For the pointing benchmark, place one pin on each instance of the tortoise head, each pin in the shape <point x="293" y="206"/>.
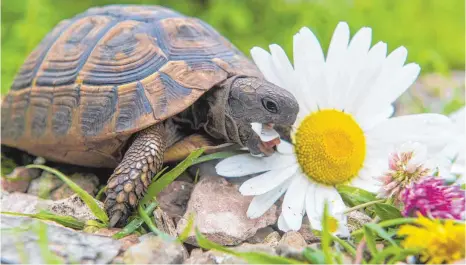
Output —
<point x="255" y="100"/>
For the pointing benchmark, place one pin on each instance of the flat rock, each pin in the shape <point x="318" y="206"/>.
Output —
<point x="25" y="203"/>
<point x="20" y="203"/>
<point x="220" y="213"/>
<point x="260" y="235"/>
<point x="21" y="237"/>
<point x="294" y="240"/>
<point x="72" y="206"/>
<point x="174" y="198"/>
<point x="19" y="179"/>
<point x="307" y="233"/>
<point x="126" y="242"/>
<point x="154" y="250"/>
<point x="272" y="239"/>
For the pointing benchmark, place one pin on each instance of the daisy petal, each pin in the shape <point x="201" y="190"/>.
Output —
<point x="260" y="204"/>
<point x="285" y="148"/>
<point x="283" y="67"/>
<point x="267" y="181"/>
<point x="282" y="225"/>
<point x="293" y="202"/>
<point x="245" y="164"/>
<point x="263" y="60"/>
<point x="433" y="130"/>
<point x="265" y="134"/>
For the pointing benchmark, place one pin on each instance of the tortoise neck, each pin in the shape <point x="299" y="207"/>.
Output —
<point x="211" y="113"/>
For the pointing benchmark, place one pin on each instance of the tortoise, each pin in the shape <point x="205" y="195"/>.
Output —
<point x="130" y="87"/>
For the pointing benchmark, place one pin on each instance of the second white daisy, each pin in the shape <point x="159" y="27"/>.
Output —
<point x="343" y="133"/>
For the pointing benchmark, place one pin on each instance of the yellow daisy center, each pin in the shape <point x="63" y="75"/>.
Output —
<point x="330" y="146"/>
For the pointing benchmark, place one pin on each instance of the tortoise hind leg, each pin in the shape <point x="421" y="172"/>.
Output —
<point x="130" y="180"/>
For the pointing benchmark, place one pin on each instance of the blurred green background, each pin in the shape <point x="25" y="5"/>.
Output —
<point x="432" y="30"/>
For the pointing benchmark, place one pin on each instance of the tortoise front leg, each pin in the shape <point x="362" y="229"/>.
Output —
<point x="130" y="180"/>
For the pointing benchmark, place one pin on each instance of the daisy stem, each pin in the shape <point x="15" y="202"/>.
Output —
<point x="359" y="206"/>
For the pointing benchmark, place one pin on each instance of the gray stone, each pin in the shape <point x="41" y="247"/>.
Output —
<point x="220" y="213"/>
<point x="356" y="220"/>
<point x="44" y="185"/>
<point x="19" y="179"/>
<point x="20" y="203"/>
<point x="164" y="222"/>
<point x="272" y="239"/>
<point x="25" y="203"/>
<point x="72" y="206"/>
<point x="174" y="198"/>
<point x="307" y="233"/>
<point x="154" y="250"/>
<point x="260" y="235"/>
<point x="21" y="237"/>
<point x="294" y="240"/>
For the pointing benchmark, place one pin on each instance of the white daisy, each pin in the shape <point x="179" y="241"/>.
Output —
<point x="343" y="133"/>
<point x="455" y="150"/>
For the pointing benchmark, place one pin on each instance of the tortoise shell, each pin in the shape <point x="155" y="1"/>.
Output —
<point x="109" y="72"/>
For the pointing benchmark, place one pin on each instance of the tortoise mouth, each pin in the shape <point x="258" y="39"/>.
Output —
<point x="268" y="137"/>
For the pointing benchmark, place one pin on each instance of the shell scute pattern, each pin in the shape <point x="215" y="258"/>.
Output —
<point x="110" y="72"/>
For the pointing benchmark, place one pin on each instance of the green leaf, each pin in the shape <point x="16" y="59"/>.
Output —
<point x="189" y="226"/>
<point x="100" y="193"/>
<point x="86" y="197"/>
<point x="134" y="224"/>
<point x="249" y="257"/>
<point x="353" y="196"/>
<point x="381" y="232"/>
<point x="387" y="211"/>
<point x="67" y="221"/>
<point x="399" y="254"/>
<point x="388" y="223"/>
<point x="326" y="239"/>
<point x="156" y="187"/>
<point x="370" y="240"/>
<point x="314" y="256"/>
<point x="218" y="155"/>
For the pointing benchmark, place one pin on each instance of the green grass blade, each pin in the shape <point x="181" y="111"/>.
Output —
<point x="86" y="197"/>
<point x="347" y="246"/>
<point x="189" y="226"/>
<point x="156" y="187"/>
<point x="100" y="193"/>
<point x="388" y="223"/>
<point x="67" y="221"/>
<point x="48" y="256"/>
<point x="134" y="224"/>
<point x="145" y="217"/>
<point x="326" y="238"/>
<point x="218" y="155"/>
<point x="381" y="232"/>
<point x="370" y="241"/>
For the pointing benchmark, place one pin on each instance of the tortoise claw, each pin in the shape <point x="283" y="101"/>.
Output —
<point x="116" y="217"/>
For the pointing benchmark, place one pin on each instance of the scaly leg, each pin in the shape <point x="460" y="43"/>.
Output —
<point x="130" y="180"/>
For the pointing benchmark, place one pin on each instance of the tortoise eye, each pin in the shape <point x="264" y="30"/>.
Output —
<point x="270" y="105"/>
